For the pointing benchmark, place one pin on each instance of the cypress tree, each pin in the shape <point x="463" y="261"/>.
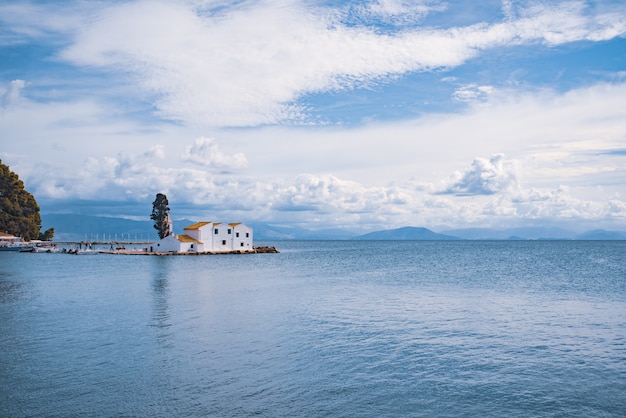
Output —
<point x="160" y="212"/>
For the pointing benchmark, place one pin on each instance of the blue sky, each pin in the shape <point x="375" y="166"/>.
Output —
<point x="359" y="115"/>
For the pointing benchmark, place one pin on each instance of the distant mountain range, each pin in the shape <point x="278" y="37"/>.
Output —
<point x="70" y="227"/>
<point x="413" y="233"/>
<point x="534" y="233"/>
<point x="405" y="233"/>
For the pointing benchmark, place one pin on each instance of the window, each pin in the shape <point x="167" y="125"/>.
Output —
<point x="241" y="245"/>
<point x="237" y="234"/>
<point x="229" y="231"/>
<point x="247" y="235"/>
<point x="216" y="231"/>
<point x="223" y="242"/>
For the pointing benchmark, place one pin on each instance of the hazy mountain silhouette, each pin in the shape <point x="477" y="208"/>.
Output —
<point x="405" y="233"/>
<point x="71" y="227"/>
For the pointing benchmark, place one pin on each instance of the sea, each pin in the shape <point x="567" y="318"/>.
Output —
<point x="321" y="329"/>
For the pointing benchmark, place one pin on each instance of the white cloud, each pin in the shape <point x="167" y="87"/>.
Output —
<point x="205" y="152"/>
<point x="569" y="22"/>
<point x="473" y="92"/>
<point x="122" y="177"/>
<point x="487" y="194"/>
<point x="329" y="194"/>
<point x="11" y="95"/>
<point x="507" y="9"/>
<point x="252" y="63"/>
<point x="372" y="177"/>
<point x="22" y="21"/>
<point x="485" y="177"/>
<point x="399" y="12"/>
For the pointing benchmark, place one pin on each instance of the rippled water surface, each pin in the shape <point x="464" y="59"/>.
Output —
<point x="341" y="328"/>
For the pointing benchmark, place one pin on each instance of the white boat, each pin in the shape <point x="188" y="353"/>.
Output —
<point x="85" y="252"/>
<point x="14" y="246"/>
<point x="10" y="242"/>
<point x="46" y="249"/>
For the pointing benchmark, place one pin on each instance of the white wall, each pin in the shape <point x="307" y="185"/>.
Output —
<point x="215" y="237"/>
<point x="222" y="240"/>
<point x="242" y="238"/>
<point x="169" y="243"/>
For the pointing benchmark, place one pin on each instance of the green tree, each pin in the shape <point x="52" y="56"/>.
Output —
<point x="19" y="212"/>
<point x="48" y="235"/>
<point x="160" y="215"/>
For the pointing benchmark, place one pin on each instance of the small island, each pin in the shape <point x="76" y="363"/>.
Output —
<point x="201" y="237"/>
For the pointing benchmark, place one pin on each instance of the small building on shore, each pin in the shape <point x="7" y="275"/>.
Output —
<point x="208" y="237"/>
<point x="6" y="239"/>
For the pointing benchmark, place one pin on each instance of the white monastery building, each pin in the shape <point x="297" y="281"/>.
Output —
<point x="208" y="237"/>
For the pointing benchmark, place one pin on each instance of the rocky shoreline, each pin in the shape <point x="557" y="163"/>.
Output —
<point x="265" y="250"/>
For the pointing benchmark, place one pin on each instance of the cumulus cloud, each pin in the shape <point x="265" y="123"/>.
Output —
<point x="472" y="92"/>
<point x="332" y="195"/>
<point x="249" y="64"/>
<point x="552" y="204"/>
<point x="206" y="152"/>
<point x="125" y="176"/>
<point x="487" y="194"/>
<point x="12" y="94"/>
<point x="485" y="177"/>
<point x="575" y="138"/>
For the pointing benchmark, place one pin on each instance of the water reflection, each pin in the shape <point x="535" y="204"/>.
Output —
<point x="160" y="292"/>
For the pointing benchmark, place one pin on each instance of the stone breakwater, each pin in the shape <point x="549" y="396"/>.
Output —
<point x="266" y="249"/>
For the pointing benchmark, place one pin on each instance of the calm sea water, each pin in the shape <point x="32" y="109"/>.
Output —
<point x="338" y="329"/>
